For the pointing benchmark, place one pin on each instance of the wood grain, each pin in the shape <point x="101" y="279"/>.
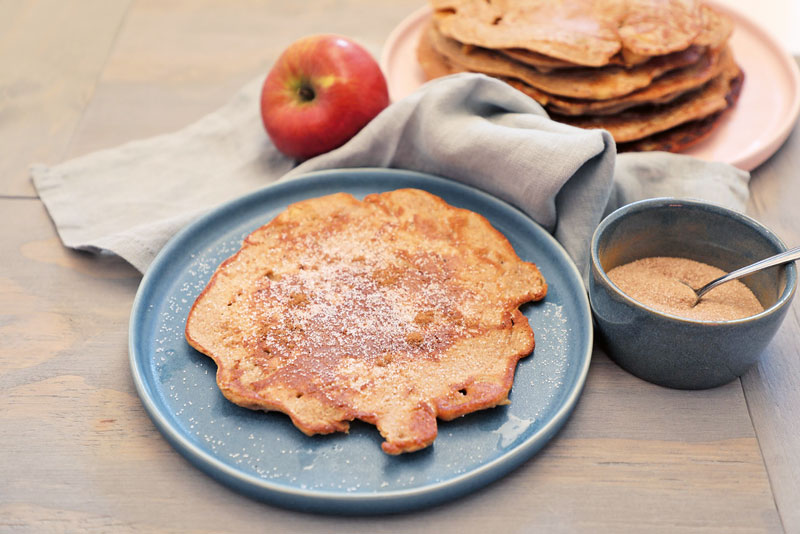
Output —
<point x="80" y="454"/>
<point x="173" y="62"/>
<point x="52" y="53"/>
<point x="771" y="389"/>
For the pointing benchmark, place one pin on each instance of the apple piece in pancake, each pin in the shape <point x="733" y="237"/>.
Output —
<point x="716" y="29"/>
<point x="654" y="27"/>
<point x="432" y="63"/>
<point x="579" y="38"/>
<point x="541" y="62"/>
<point x="674" y="139"/>
<point x="663" y="90"/>
<point x="394" y="310"/>
<point x="595" y="84"/>
<point x="547" y="64"/>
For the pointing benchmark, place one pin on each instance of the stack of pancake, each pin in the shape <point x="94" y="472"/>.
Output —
<point x="657" y="74"/>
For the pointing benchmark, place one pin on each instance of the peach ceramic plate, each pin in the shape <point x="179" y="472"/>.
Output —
<point x="767" y="110"/>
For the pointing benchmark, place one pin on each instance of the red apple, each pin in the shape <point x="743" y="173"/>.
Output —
<point x="322" y="90"/>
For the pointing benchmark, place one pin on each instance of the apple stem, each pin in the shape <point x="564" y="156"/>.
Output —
<point x="306" y="93"/>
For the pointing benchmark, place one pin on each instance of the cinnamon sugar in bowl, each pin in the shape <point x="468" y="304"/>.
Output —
<point x="642" y="319"/>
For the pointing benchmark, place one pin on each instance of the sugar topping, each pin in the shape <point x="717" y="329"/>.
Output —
<point x="345" y="302"/>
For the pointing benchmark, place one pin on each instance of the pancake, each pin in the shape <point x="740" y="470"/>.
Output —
<point x="675" y="139"/>
<point x="583" y="32"/>
<point x="432" y="63"/>
<point x="394" y="310"/>
<point x="637" y="124"/>
<point x="595" y="84"/>
<point x="717" y="28"/>
<point x="541" y="62"/>
<point x="663" y="90"/>
<point x="688" y="134"/>
<point x="656" y="27"/>
<point x="544" y="63"/>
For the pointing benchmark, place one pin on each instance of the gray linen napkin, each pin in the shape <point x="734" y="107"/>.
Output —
<point x="471" y="128"/>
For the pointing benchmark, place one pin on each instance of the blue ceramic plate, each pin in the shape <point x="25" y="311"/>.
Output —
<point x="264" y="456"/>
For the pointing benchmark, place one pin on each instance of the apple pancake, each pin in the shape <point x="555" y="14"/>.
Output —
<point x="394" y="310"/>
<point x="595" y="84"/>
<point x="717" y="28"/>
<point x="687" y="134"/>
<point x="663" y="90"/>
<point x="639" y="123"/>
<point x="546" y="64"/>
<point x="583" y="32"/>
<point x="432" y="63"/>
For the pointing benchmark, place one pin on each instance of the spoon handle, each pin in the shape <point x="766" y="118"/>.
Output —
<point x="778" y="259"/>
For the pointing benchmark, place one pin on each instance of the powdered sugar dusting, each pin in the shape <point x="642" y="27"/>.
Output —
<point x="363" y="309"/>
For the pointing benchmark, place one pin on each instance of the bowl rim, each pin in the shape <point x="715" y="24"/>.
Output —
<point x="660" y="202"/>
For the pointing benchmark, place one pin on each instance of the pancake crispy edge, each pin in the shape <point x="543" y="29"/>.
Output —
<point x="674" y="139"/>
<point x="656" y="27"/>
<point x="663" y="90"/>
<point x="547" y="64"/>
<point x="407" y="337"/>
<point x="432" y="63"/>
<point x="716" y="29"/>
<point x="513" y="24"/>
<point x="594" y="84"/>
<point x="686" y="135"/>
<point x="639" y="123"/>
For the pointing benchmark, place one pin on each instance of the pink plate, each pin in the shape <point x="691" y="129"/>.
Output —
<point x="751" y="133"/>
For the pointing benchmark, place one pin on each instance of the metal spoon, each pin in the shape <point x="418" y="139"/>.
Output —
<point x="779" y="259"/>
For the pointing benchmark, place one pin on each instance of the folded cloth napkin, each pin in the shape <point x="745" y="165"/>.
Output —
<point x="471" y="128"/>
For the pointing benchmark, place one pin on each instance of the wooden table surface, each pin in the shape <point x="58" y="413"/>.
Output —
<point x="79" y="454"/>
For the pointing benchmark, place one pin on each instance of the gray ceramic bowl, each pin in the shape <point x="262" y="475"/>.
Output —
<point x="670" y="350"/>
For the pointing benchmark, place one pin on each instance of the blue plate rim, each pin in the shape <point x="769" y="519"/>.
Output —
<point x="328" y="501"/>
